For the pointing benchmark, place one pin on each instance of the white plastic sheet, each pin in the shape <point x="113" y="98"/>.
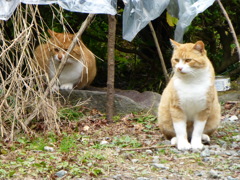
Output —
<point x="138" y="13"/>
<point x="186" y="11"/>
<point x="7" y="7"/>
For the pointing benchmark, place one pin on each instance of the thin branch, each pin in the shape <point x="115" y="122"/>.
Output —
<point x="146" y="148"/>
<point x="231" y="27"/>
<point x="159" y="52"/>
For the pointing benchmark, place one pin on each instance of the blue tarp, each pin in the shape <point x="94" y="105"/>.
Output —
<point x="136" y="15"/>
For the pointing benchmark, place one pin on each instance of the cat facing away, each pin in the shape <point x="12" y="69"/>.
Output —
<point x="189" y="111"/>
<point x="80" y="68"/>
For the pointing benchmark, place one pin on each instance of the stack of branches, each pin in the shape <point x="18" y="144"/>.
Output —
<point x="23" y="97"/>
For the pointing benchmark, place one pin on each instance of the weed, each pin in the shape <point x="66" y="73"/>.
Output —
<point x="126" y="141"/>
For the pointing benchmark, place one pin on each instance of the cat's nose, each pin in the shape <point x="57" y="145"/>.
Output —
<point x="60" y="57"/>
<point x="179" y="69"/>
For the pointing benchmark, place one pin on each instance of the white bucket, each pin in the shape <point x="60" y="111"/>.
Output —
<point x="222" y="83"/>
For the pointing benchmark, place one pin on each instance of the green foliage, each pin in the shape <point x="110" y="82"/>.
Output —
<point x="70" y="114"/>
<point x="126" y="141"/>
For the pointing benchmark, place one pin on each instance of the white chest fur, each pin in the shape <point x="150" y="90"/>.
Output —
<point x="70" y="74"/>
<point x="192" y="93"/>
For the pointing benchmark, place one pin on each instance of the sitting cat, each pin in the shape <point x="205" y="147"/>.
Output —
<point x="189" y="107"/>
<point x="80" y="68"/>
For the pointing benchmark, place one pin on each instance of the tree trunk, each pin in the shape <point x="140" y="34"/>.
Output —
<point x="111" y="68"/>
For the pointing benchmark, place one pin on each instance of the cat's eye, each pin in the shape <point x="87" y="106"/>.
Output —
<point x="187" y="60"/>
<point x="56" y="49"/>
<point x="177" y="60"/>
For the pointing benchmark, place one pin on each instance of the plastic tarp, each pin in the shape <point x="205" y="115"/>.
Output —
<point x="136" y="15"/>
<point x="186" y="11"/>
<point x="7" y="7"/>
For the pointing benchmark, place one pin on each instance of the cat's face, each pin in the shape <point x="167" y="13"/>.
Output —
<point x="188" y="58"/>
<point x="60" y="45"/>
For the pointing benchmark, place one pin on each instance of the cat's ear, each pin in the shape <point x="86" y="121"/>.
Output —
<point x="199" y="46"/>
<point x="51" y="33"/>
<point x="174" y="44"/>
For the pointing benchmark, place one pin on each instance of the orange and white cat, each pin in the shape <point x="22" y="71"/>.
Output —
<point x="189" y="107"/>
<point x="80" y="68"/>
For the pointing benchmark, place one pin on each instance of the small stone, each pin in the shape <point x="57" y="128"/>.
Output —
<point x="103" y="142"/>
<point x="90" y="164"/>
<point x="206" y="159"/>
<point x="134" y="160"/>
<point x="155" y="159"/>
<point x="233" y="118"/>
<point x="214" y="174"/>
<point x="237" y="138"/>
<point x="142" y="178"/>
<point x="149" y="151"/>
<point x="61" y="173"/>
<point x="205" y="153"/>
<point x="160" y="166"/>
<point x="47" y="148"/>
<point x="117" y="177"/>
<point x="166" y="142"/>
<point x="231" y="178"/>
<point x="199" y="174"/>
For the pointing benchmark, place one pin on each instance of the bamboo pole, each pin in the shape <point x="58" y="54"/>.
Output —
<point x="159" y="52"/>
<point x="111" y="67"/>
<point x="231" y="28"/>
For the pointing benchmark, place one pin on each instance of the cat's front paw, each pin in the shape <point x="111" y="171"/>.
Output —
<point x="183" y="145"/>
<point x="66" y="86"/>
<point x="197" y="145"/>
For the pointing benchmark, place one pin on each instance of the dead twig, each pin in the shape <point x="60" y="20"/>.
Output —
<point x="146" y="148"/>
<point x="231" y="27"/>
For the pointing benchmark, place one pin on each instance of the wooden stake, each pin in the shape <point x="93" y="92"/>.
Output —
<point x="111" y="67"/>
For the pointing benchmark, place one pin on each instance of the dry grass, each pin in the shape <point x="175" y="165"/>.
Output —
<point x="23" y="87"/>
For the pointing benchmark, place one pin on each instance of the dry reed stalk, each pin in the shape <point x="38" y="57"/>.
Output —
<point x="23" y="98"/>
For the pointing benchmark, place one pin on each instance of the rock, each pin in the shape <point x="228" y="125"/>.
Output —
<point x="142" y="178"/>
<point x="149" y="151"/>
<point x="160" y="166"/>
<point x="61" y="173"/>
<point x="229" y="96"/>
<point x="134" y="160"/>
<point x="237" y="138"/>
<point x="214" y="174"/>
<point x="126" y="101"/>
<point x="103" y="142"/>
<point x="233" y="118"/>
<point x="117" y="177"/>
<point x="47" y="148"/>
<point x="205" y="153"/>
<point x="231" y="178"/>
<point x="155" y="159"/>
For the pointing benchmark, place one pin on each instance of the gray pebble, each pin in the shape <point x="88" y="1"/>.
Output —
<point x="237" y="138"/>
<point x="142" y="178"/>
<point x="149" y="151"/>
<point x="117" y="177"/>
<point x="134" y="160"/>
<point x="61" y="173"/>
<point x="160" y="166"/>
<point x="155" y="159"/>
<point x="47" y="148"/>
<point x="214" y="174"/>
<point x="231" y="178"/>
<point x="205" y="153"/>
